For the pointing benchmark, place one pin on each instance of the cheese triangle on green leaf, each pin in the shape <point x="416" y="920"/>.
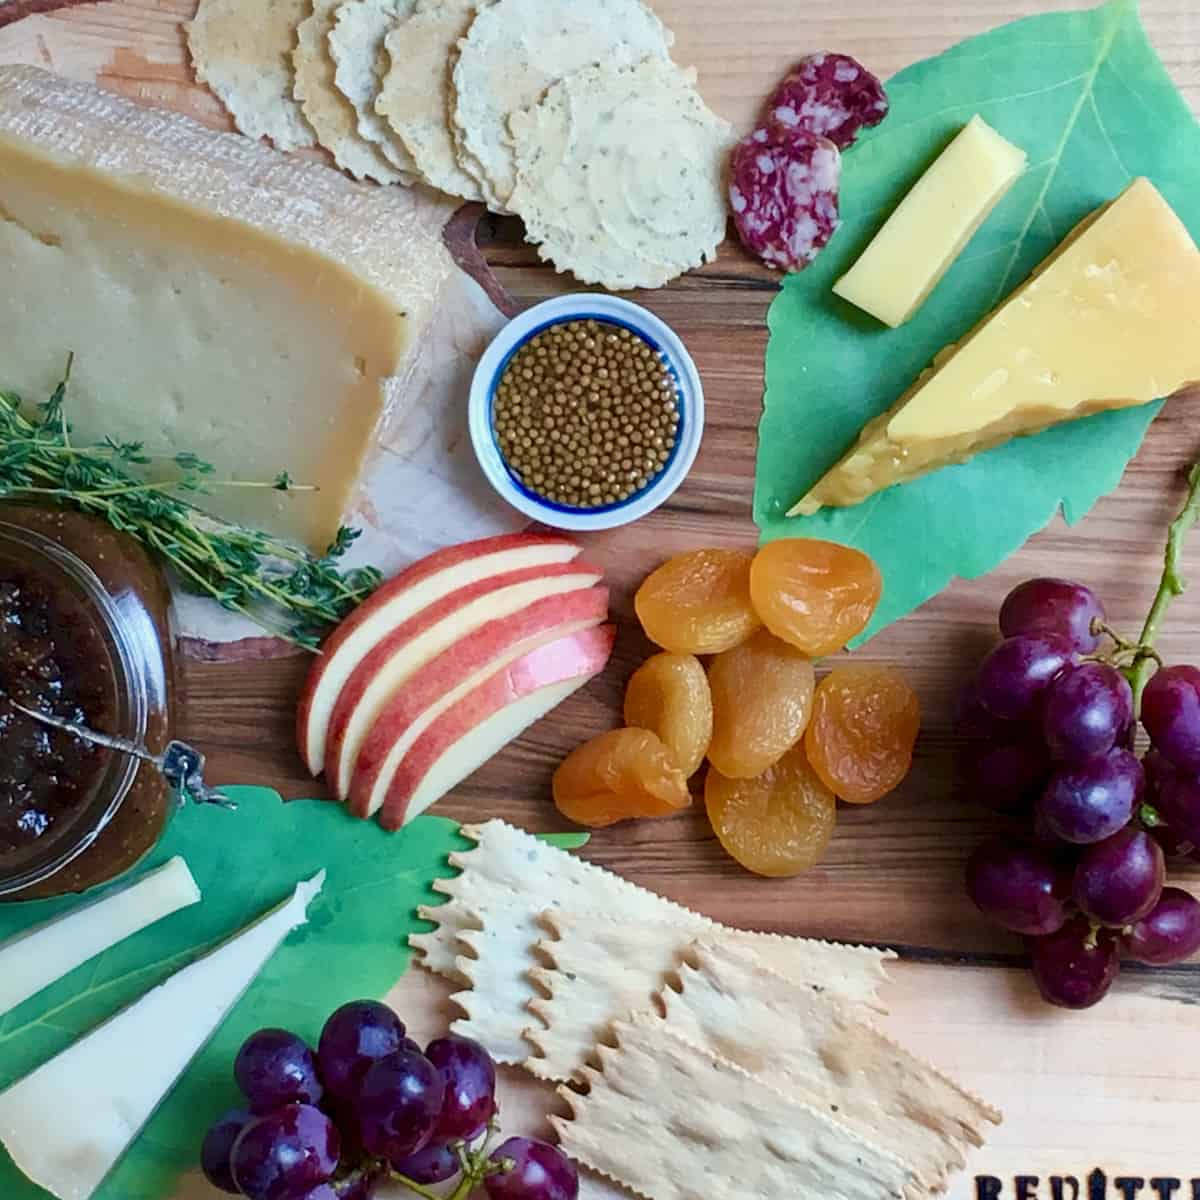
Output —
<point x="66" y="1124"/>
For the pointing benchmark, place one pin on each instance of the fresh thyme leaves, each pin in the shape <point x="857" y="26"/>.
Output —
<point x="290" y="593"/>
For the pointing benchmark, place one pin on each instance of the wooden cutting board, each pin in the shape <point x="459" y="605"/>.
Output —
<point x="1116" y="1089"/>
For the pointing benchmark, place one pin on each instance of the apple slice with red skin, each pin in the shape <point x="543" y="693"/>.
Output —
<point x="431" y="631"/>
<point x="444" y="680"/>
<point x="397" y="601"/>
<point x="490" y="716"/>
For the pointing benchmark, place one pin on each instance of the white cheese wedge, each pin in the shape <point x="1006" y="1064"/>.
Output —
<point x="36" y="958"/>
<point x="68" y="1123"/>
<point x="928" y="231"/>
<point x="219" y="297"/>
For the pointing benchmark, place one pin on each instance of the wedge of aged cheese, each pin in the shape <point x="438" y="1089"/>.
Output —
<point x="928" y="231"/>
<point x="219" y="297"/>
<point x="1108" y="321"/>
<point x="68" y="1123"/>
<point x="36" y="958"/>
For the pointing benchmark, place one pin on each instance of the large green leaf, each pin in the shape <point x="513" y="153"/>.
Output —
<point x="1085" y="95"/>
<point x="245" y="862"/>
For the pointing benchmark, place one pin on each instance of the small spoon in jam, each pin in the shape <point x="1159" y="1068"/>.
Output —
<point x="181" y="765"/>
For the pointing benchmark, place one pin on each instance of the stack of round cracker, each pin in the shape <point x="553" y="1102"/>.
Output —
<point x="570" y="115"/>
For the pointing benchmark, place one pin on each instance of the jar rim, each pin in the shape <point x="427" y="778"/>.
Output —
<point x="133" y="710"/>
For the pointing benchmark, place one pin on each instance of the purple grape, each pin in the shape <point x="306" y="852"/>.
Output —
<point x="1055" y="606"/>
<point x="1171" y="715"/>
<point x="1019" y="887"/>
<point x="1072" y="969"/>
<point x="323" y="1191"/>
<point x="972" y="720"/>
<point x="1089" y="802"/>
<point x="274" y="1068"/>
<point x="1088" y="710"/>
<point x="399" y="1103"/>
<point x="1119" y="881"/>
<point x="1175" y="797"/>
<point x="217" y="1147"/>
<point x="539" y="1172"/>
<point x="354" y="1038"/>
<point x="358" y="1185"/>
<point x="470" y="1078"/>
<point x="435" y="1164"/>
<point x="1008" y="778"/>
<point x="280" y="1155"/>
<point x="1170" y="933"/>
<point x="1014" y="677"/>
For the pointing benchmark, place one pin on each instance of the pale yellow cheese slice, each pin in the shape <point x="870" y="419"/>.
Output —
<point x="1108" y="321"/>
<point x="219" y="297"/>
<point x="933" y="223"/>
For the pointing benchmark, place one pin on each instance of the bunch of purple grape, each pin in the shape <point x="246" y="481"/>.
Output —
<point x="369" y="1106"/>
<point x="1054" y="725"/>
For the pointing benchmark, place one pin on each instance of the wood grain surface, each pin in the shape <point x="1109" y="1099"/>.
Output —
<point x="1114" y="1089"/>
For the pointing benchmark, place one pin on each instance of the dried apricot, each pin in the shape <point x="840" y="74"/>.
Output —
<point x="668" y="694"/>
<point x="816" y="596"/>
<point x="860" y="740"/>
<point x="777" y="825"/>
<point x="618" y="775"/>
<point x="699" y="602"/>
<point x="762" y="696"/>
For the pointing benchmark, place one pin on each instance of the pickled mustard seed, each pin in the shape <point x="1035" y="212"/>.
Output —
<point x="586" y="414"/>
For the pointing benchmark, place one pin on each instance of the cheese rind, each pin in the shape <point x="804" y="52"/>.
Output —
<point x="36" y="958"/>
<point x="1107" y="322"/>
<point x="220" y="297"/>
<point x="66" y="1124"/>
<point x="919" y="242"/>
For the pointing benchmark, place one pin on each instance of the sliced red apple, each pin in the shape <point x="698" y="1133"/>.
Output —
<point x="396" y="602"/>
<point x="490" y="716"/>
<point x="431" y="631"/>
<point x="444" y="680"/>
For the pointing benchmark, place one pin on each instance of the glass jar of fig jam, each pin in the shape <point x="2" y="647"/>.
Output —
<point x="84" y="637"/>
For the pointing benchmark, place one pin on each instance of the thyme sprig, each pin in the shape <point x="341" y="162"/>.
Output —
<point x="287" y="591"/>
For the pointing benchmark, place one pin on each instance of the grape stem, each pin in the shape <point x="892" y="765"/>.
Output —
<point x="1172" y="584"/>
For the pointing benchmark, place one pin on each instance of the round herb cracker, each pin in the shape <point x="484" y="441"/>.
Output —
<point x="516" y="49"/>
<point x="361" y="62"/>
<point x="415" y="98"/>
<point x="244" y="53"/>
<point x="620" y="175"/>
<point x="330" y="114"/>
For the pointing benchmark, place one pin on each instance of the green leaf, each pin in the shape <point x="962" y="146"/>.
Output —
<point x="245" y="862"/>
<point x="1085" y="95"/>
<point x="566" y="841"/>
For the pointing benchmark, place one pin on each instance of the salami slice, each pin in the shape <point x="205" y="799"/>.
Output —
<point x="832" y="95"/>
<point x="784" y="194"/>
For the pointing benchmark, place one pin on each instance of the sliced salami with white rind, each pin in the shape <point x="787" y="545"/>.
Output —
<point x="831" y="95"/>
<point x="784" y="195"/>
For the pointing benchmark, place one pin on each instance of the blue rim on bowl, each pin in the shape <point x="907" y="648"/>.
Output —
<point x="612" y="311"/>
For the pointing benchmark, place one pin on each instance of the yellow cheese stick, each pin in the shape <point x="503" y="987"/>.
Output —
<point x="921" y="239"/>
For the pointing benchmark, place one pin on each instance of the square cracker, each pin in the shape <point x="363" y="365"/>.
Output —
<point x="673" y="1122"/>
<point x="602" y="970"/>
<point x="810" y="1045"/>
<point x="508" y="879"/>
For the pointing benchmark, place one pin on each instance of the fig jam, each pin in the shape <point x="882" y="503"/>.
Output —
<point x="85" y="637"/>
<point x="53" y="660"/>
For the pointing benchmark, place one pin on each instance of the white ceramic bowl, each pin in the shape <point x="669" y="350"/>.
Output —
<point x="583" y="307"/>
